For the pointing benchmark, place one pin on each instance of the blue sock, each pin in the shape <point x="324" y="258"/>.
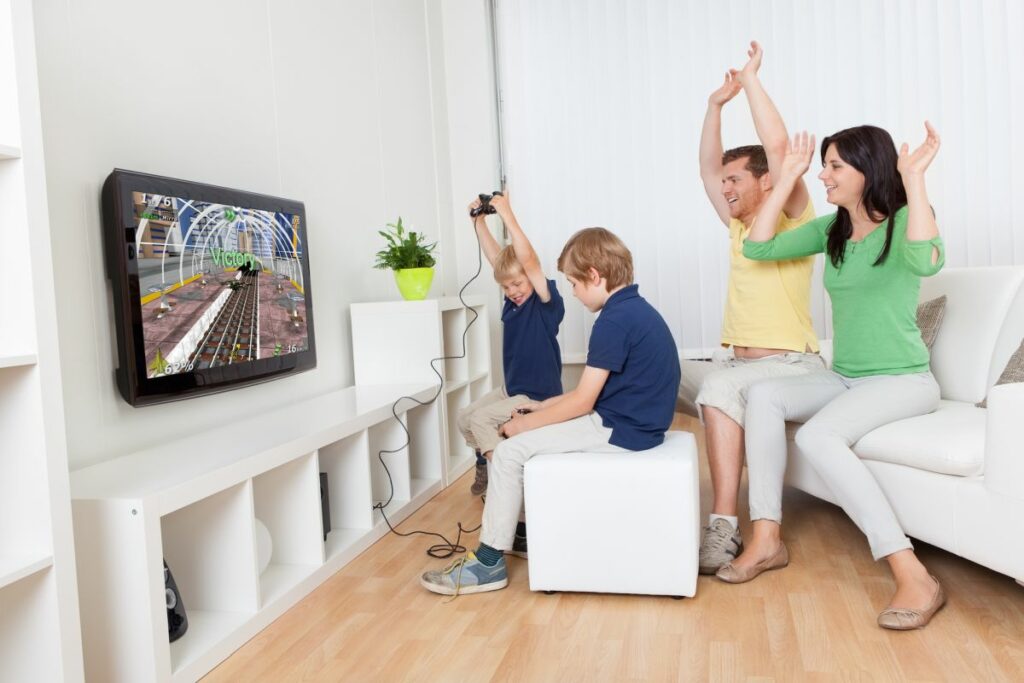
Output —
<point x="488" y="555"/>
<point x="521" y="529"/>
<point x="480" y="460"/>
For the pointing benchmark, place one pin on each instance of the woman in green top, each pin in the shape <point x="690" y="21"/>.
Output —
<point x="878" y="245"/>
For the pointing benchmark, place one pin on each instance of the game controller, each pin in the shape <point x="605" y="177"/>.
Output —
<point x="485" y="204"/>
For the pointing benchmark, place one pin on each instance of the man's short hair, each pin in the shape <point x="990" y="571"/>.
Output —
<point x="757" y="162"/>
<point x="600" y="249"/>
<point x="506" y="264"/>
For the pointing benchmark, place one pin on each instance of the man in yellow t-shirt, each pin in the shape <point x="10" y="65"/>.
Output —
<point x="766" y="330"/>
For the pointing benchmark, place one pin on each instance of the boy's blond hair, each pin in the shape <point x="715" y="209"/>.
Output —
<point x="600" y="249"/>
<point x="506" y="264"/>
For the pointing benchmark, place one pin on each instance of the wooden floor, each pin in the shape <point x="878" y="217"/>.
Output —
<point x="814" y="620"/>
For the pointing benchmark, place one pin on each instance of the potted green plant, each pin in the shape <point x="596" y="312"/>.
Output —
<point x="409" y="256"/>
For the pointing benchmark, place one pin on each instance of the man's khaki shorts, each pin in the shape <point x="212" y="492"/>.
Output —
<point x="723" y="381"/>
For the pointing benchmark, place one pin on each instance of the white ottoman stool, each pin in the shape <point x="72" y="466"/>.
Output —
<point x="615" y="522"/>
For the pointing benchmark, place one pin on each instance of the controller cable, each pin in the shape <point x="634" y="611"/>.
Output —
<point x="447" y="548"/>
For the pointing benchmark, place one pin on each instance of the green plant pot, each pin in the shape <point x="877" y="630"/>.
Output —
<point x="414" y="283"/>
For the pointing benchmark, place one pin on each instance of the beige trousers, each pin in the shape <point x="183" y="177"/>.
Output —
<point x="480" y="421"/>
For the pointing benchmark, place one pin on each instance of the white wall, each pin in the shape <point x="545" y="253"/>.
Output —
<point x="345" y="106"/>
<point x="473" y="150"/>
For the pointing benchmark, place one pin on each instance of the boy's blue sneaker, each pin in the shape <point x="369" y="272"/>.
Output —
<point x="466" y="575"/>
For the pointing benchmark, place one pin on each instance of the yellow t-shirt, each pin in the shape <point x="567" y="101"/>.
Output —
<point x="769" y="302"/>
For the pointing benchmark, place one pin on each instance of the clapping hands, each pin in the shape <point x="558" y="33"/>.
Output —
<point x="728" y="90"/>
<point x="799" y="152"/>
<point x="915" y="163"/>
<point x="749" y="71"/>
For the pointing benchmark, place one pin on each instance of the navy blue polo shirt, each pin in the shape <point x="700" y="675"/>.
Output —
<point x="631" y="339"/>
<point x="532" y="359"/>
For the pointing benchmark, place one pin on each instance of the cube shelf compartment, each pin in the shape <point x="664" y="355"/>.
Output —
<point x="348" y="461"/>
<point x="425" y="468"/>
<point x="29" y="619"/>
<point x="286" y="500"/>
<point x="459" y="454"/>
<point x="389" y="471"/>
<point x="209" y="549"/>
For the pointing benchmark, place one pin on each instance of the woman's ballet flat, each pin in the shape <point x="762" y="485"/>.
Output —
<point x="730" y="573"/>
<point x="906" y="619"/>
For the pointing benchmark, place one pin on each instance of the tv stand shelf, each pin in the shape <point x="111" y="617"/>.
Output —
<point x="194" y="501"/>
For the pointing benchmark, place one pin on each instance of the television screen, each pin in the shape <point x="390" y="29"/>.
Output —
<point x="211" y="286"/>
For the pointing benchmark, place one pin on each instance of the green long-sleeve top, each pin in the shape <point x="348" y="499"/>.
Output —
<point x="874" y="308"/>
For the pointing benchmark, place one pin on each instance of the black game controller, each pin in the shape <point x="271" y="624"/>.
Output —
<point x="485" y="205"/>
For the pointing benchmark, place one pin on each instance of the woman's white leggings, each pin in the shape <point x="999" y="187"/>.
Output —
<point x="836" y="411"/>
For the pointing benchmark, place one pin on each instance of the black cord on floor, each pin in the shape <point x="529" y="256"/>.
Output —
<point x="446" y="549"/>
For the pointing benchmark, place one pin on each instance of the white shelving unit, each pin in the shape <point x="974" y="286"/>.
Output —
<point x="195" y="502"/>
<point x="394" y="341"/>
<point x="14" y="361"/>
<point x="39" y="628"/>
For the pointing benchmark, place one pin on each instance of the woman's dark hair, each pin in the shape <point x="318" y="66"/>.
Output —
<point x="871" y="151"/>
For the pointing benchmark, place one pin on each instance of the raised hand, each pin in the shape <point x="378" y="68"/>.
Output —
<point x="728" y="90"/>
<point x="500" y="202"/>
<point x="916" y="162"/>
<point x="474" y="205"/>
<point x="799" y="153"/>
<point x="754" y="55"/>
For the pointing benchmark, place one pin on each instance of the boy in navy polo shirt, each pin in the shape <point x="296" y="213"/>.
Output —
<point x="625" y="401"/>
<point x="532" y="360"/>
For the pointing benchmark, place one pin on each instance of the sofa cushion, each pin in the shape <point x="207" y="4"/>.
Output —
<point x="1012" y="373"/>
<point x="929" y="318"/>
<point x="949" y="441"/>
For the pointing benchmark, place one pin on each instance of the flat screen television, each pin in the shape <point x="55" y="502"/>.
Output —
<point x="210" y="286"/>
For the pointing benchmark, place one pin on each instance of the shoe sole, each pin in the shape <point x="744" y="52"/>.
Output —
<point x="464" y="590"/>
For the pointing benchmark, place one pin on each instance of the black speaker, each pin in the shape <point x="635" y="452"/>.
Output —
<point x="177" y="622"/>
<point x="325" y="504"/>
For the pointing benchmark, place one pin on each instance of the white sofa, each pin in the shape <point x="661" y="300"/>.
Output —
<point x="956" y="477"/>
